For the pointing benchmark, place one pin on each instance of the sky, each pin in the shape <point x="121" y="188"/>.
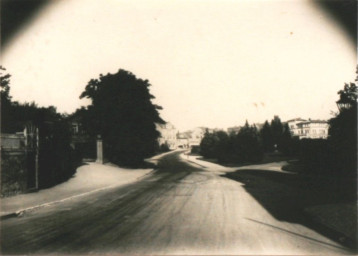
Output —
<point x="212" y="63"/>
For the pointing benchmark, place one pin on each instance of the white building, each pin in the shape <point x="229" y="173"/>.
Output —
<point x="168" y="135"/>
<point x="313" y="129"/>
<point x="197" y="135"/>
<point x="308" y="129"/>
<point x="292" y="124"/>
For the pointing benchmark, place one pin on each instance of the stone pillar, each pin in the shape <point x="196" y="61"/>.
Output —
<point x="99" y="150"/>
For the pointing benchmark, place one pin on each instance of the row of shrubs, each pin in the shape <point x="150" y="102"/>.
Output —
<point x="248" y="144"/>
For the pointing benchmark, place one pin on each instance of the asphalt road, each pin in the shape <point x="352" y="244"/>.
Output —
<point x="182" y="208"/>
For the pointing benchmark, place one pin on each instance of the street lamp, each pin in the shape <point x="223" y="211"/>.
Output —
<point x="343" y="104"/>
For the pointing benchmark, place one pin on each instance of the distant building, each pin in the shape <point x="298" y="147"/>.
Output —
<point x="234" y="129"/>
<point x="313" y="129"/>
<point x="168" y="135"/>
<point x="258" y="126"/>
<point x="197" y="135"/>
<point x="308" y="129"/>
<point x="183" y="140"/>
<point x="192" y="137"/>
<point x="292" y="125"/>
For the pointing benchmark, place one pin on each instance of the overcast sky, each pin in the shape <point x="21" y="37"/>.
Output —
<point x="211" y="63"/>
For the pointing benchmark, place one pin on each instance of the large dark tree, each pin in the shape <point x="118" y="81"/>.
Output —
<point x="343" y="131"/>
<point x="5" y="99"/>
<point x="123" y="114"/>
<point x="266" y="137"/>
<point x="247" y="145"/>
<point x="276" y="131"/>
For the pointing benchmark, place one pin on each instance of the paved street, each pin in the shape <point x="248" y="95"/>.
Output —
<point x="182" y="208"/>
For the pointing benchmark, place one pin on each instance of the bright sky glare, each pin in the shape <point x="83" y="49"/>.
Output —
<point x="211" y="63"/>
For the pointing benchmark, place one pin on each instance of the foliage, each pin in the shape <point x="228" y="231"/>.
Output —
<point x="13" y="174"/>
<point x="314" y="155"/>
<point x="57" y="160"/>
<point x="348" y="94"/>
<point x="276" y="131"/>
<point x="343" y="132"/>
<point x="164" y="147"/>
<point x="288" y="145"/>
<point x="338" y="154"/>
<point x="277" y="136"/>
<point x="245" y="146"/>
<point x="214" y="145"/>
<point x="266" y="137"/>
<point x="123" y="114"/>
<point x="5" y="99"/>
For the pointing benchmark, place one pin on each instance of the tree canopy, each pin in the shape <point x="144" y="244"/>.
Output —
<point x="123" y="114"/>
<point x="343" y="131"/>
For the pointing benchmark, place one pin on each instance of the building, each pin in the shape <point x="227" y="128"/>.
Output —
<point x="197" y="135"/>
<point x="308" y="129"/>
<point x="313" y="129"/>
<point x="292" y="125"/>
<point x="168" y="135"/>
<point x="234" y="129"/>
<point x="182" y="140"/>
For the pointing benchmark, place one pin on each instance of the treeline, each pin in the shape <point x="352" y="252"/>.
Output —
<point x="248" y="144"/>
<point x="57" y="160"/>
<point x="336" y="155"/>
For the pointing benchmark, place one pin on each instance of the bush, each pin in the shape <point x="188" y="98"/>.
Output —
<point x="343" y="141"/>
<point x="239" y="148"/>
<point x="247" y="146"/>
<point x="57" y="160"/>
<point x="314" y="155"/>
<point x="13" y="174"/>
<point x="164" y="148"/>
<point x="195" y="150"/>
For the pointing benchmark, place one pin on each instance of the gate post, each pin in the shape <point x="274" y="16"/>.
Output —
<point x="99" y="150"/>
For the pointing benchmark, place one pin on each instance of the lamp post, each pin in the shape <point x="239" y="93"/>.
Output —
<point x="343" y="104"/>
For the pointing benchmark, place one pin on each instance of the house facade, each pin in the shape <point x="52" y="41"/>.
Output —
<point x="308" y="129"/>
<point x="292" y="125"/>
<point x="313" y="129"/>
<point x="168" y="135"/>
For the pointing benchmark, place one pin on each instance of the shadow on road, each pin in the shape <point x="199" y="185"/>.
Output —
<point x="286" y="195"/>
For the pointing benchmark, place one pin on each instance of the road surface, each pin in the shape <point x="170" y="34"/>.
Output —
<point x="182" y="208"/>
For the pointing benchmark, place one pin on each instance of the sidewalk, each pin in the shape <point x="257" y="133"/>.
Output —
<point x="89" y="178"/>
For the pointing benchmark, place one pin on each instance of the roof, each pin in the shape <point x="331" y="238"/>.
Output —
<point x="314" y="121"/>
<point x="296" y="119"/>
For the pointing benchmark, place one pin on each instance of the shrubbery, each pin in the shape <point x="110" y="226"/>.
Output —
<point x="13" y="174"/>
<point x="57" y="160"/>
<point x="245" y="146"/>
<point x="164" y="148"/>
<point x="277" y="136"/>
<point x="338" y="154"/>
